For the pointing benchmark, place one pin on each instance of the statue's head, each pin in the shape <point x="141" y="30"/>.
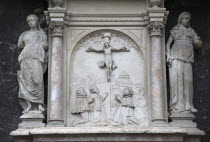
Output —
<point x="184" y="19"/>
<point x="127" y="91"/>
<point x="81" y="92"/>
<point x="106" y="38"/>
<point x="32" y="20"/>
<point x="93" y="89"/>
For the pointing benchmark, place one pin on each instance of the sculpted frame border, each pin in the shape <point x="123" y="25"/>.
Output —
<point x="127" y="31"/>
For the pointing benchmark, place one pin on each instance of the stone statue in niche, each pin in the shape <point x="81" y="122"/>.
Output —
<point x="107" y="50"/>
<point x="32" y="66"/>
<point x="124" y="115"/>
<point x="180" y="57"/>
<point x="81" y="107"/>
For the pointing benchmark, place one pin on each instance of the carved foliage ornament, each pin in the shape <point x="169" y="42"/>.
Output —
<point x="155" y="28"/>
<point x="57" y="28"/>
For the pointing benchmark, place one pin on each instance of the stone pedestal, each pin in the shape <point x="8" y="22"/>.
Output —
<point x="32" y="119"/>
<point x="183" y="120"/>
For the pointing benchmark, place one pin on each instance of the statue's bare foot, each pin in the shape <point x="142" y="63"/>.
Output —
<point x="114" y="67"/>
<point x="41" y="108"/>
<point x="25" y="111"/>
<point x="193" y="109"/>
<point x="28" y="108"/>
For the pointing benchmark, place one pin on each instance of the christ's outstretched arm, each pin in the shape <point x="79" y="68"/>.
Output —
<point x="120" y="49"/>
<point x="92" y="49"/>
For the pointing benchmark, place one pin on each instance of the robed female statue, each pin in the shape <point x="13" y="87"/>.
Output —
<point x="180" y="57"/>
<point x="32" y="60"/>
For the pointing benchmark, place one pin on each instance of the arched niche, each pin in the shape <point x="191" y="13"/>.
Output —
<point x="130" y="71"/>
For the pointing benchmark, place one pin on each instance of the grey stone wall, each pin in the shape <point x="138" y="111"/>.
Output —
<point x="12" y="24"/>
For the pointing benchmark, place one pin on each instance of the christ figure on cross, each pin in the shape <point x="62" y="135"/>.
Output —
<point x="107" y="50"/>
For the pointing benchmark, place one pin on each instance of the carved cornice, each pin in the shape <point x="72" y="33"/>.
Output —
<point x="57" y="20"/>
<point x="83" y="20"/>
<point x="155" y="28"/>
<point x="57" y="28"/>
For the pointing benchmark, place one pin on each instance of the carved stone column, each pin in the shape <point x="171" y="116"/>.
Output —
<point x="158" y="98"/>
<point x="56" y="18"/>
<point x="56" y="83"/>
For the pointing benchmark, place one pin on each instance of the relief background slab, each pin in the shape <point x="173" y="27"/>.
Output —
<point x="130" y="72"/>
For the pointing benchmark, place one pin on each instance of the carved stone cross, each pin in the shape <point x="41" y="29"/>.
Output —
<point x="107" y="49"/>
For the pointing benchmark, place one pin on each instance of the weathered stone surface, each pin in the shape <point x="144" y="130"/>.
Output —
<point x="146" y="134"/>
<point x="103" y="74"/>
<point x="8" y="58"/>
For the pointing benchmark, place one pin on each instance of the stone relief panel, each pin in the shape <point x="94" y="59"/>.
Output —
<point x="107" y="82"/>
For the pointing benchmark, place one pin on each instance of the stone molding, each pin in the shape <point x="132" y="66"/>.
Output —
<point x="106" y="20"/>
<point x="57" y="17"/>
<point x="166" y="134"/>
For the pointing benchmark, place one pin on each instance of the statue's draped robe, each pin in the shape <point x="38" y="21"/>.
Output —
<point x="31" y="59"/>
<point x="98" y="111"/>
<point x="182" y="56"/>
<point x="124" y="112"/>
<point x="81" y="104"/>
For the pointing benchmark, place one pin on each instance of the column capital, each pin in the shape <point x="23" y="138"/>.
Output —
<point x="57" y="19"/>
<point x="57" y="28"/>
<point x="156" y="20"/>
<point x="156" y="28"/>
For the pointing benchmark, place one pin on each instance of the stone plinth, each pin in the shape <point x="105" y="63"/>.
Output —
<point x="135" y="134"/>
<point x="183" y="120"/>
<point x="33" y="119"/>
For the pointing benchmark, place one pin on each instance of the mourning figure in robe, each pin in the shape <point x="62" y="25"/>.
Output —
<point x="32" y="62"/>
<point x="180" y="57"/>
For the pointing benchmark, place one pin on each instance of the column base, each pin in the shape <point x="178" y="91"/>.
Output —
<point x="160" y="123"/>
<point x="165" y="124"/>
<point x="55" y="124"/>
<point x="32" y="119"/>
<point x="183" y="120"/>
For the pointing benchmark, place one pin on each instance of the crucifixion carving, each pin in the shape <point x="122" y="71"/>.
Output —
<point x="107" y="49"/>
